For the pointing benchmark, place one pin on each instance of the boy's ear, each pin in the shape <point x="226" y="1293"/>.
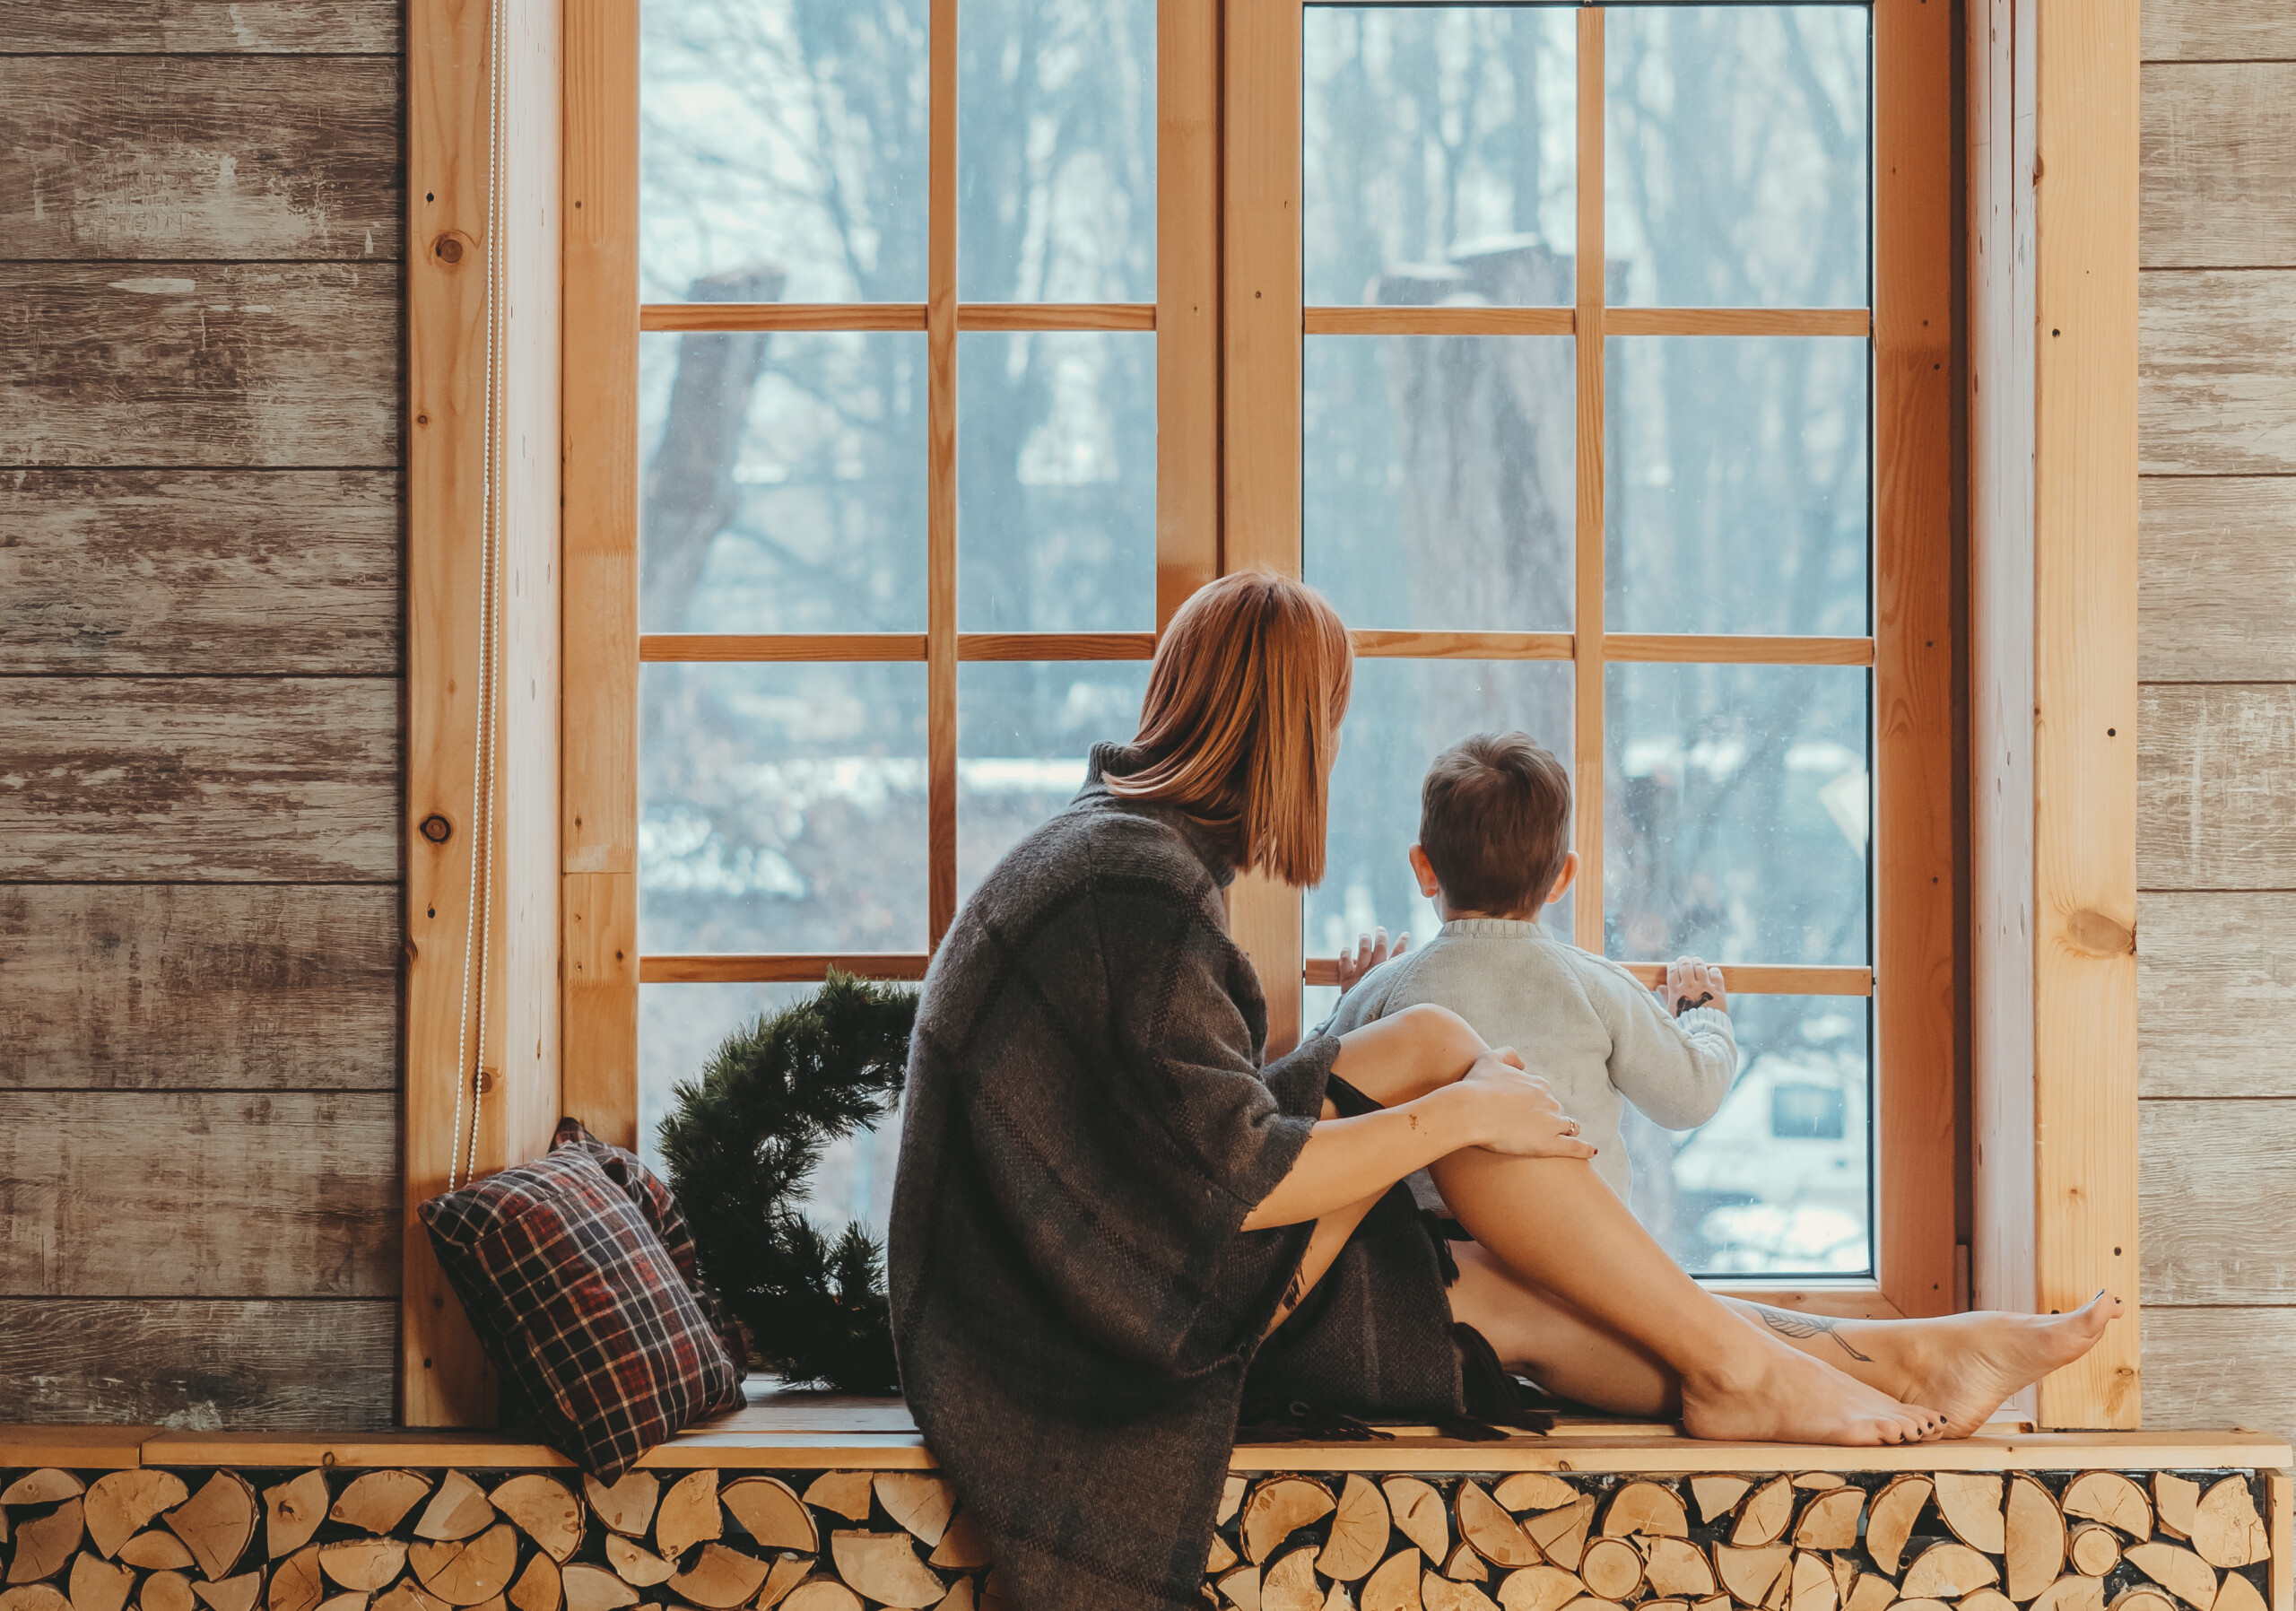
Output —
<point x="1565" y="878"/>
<point x="1424" y="871"/>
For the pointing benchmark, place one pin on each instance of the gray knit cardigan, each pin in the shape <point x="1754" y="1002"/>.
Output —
<point x="1087" y="1123"/>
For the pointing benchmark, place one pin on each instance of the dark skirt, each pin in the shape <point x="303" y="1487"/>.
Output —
<point x="1373" y="1338"/>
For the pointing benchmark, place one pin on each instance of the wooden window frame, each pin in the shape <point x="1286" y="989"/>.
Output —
<point x="1911" y="330"/>
<point x="562" y="968"/>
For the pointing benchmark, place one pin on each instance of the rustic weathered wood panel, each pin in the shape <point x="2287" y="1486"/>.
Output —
<point x="2215" y="973"/>
<point x="197" y="1364"/>
<point x="2216" y="771"/>
<point x="2220" y="1368"/>
<point x="172" y="157"/>
<point x="2218" y="568"/>
<point x="201" y="571"/>
<point x="191" y="363"/>
<point x="190" y="26"/>
<point x="2213" y="1195"/>
<point x="2219" y="140"/>
<point x="183" y="986"/>
<point x="2217" y="372"/>
<point x="2219" y="31"/>
<point x="217" y="779"/>
<point x="133" y="1194"/>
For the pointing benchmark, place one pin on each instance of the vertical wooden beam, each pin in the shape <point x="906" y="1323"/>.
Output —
<point x="2001" y="656"/>
<point x="531" y="714"/>
<point x="598" y="828"/>
<point x="1913" y="651"/>
<point x="940" y="474"/>
<point x="1587" y="646"/>
<point x="1260" y="395"/>
<point x="453" y="242"/>
<point x="2085" y="694"/>
<point x="2280" y="1493"/>
<point x="1187" y="300"/>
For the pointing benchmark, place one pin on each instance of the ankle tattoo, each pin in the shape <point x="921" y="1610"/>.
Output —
<point x="1787" y="1323"/>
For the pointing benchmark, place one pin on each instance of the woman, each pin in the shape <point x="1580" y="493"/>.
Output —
<point x="1110" y="1220"/>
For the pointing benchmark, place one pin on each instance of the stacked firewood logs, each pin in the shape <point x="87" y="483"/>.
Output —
<point x="1820" y="1541"/>
<point x="392" y="1540"/>
<point x="395" y="1540"/>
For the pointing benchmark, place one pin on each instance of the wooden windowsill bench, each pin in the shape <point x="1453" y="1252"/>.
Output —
<point x="833" y="1501"/>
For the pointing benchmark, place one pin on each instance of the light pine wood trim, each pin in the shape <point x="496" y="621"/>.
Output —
<point x="1745" y="979"/>
<point x="1915" y="940"/>
<point x="940" y="475"/>
<point x="1187" y="300"/>
<point x="600" y="630"/>
<point x="1260" y="381"/>
<point x="1056" y="316"/>
<point x="1462" y="646"/>
<point x="691" y="317"/>
<point x="2281" y="1493"/>
<point x="762" y="1438"/>
<point x="1438" y="321"/>
<point x="1851" y="1299"/>
<point x="2084" y="638"/>
<point x="704" y="647"/>
<point x="1743" y="321"/>
<point x="701" y="647"/>
<point x="2001" y="79"/>
<point x="801" y="968"/>
<point x="1587" y="755"/>
<point x="1055" y="646"/>
<point x="1690" y="648"/>
<point x="444" y="1378"/>
<point x="1564" y="321"/>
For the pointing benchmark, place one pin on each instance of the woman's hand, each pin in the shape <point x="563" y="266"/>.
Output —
<point x="1517" y="1113"/>
<point x="1687" y="979"/>
<point x="1371" y="951"/>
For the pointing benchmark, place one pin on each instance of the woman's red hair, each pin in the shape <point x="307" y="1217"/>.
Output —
<point x="1241" y="721"/>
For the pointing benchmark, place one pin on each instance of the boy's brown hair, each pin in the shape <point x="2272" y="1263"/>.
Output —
<point x="1494" y="820"/>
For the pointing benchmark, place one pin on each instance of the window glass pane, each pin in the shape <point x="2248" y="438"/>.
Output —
<point x="1779" y="1182"/>
<point x="1023" y="733"/>
<point x="1404" y="713"/>
<point x="782" y="146"/>
<point x="782" y="808"/>
<point x="1442" y="154"/>
<point x="1736" y="821"/>
<point x="679" y="1026"/>
<point x="1738" y="491"/>
<point x="783" y="483"/>
<point x="1056" y="482"/>
<point x="1738" y="155"/>
<point x="1438" y="491"/>
<point x="1056" y="151"/>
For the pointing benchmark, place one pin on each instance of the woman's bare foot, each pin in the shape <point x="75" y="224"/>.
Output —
<point x="1775" y="1395"/>
<point x="1967" y="1365"/>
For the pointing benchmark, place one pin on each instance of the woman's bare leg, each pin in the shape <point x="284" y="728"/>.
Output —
<point x="1964" y="1365"/>
<point x="1587" y="1302"/>
<point x="1560" y="1230"/>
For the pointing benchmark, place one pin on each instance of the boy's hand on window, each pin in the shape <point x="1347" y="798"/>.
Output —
<point x="1690" y="983"/>
<point x="1371" y="951"/>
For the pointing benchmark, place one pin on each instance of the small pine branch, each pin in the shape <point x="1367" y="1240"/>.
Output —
<point x="741" y="1141"/>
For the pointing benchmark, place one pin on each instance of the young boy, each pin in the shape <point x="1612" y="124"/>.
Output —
<point x="1494" y="847"/>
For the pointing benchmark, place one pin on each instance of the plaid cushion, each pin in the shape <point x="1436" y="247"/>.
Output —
<point x="581" y="1307"/>
<point x="660" y="1207"/>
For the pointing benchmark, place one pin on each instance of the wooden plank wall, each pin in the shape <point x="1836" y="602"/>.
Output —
<point x="2216" y="859"/>
<point x="201" y="658"/>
